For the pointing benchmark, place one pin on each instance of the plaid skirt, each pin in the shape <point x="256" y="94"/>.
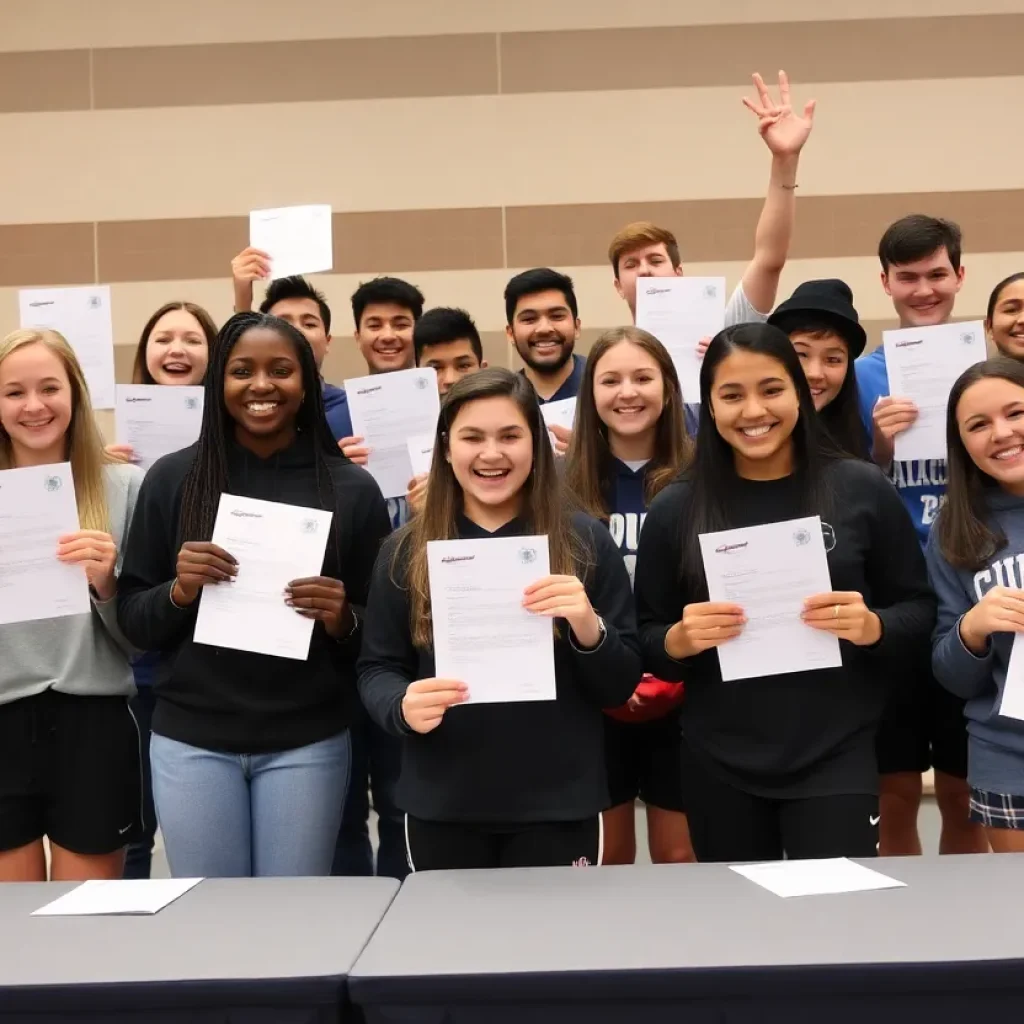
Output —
<point x="997" y="810"/>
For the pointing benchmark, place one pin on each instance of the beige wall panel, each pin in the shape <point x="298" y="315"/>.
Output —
<point x="51" y="80"/>
<point x="55" y="24"/>
<point x="664" y="57"/>
<point x="488" y="150"/>
<point x="42" y="254"/>
<point x="290" y="72"/>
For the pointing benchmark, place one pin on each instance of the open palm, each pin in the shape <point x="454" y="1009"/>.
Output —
<point x="783" y="131"/>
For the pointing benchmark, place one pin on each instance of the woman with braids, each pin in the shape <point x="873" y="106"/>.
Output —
<point x="500" y="785"/>
<point x="250" y="752"/>
<point x="630" y="442"/>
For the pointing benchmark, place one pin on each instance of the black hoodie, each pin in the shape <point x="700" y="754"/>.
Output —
<point x="238" y="701"/>
<point x="506" y="763"/>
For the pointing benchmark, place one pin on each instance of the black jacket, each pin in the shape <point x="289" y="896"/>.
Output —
<point x="237" y="701"/>
<point x="797" y="734"/>
<point x="505" y="763"/>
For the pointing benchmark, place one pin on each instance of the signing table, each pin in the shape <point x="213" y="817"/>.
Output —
<point x="239" y="950"/>
<point x="698" y="943"/>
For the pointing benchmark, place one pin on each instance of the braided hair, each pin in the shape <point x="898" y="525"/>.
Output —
<point x="207" y="477"/>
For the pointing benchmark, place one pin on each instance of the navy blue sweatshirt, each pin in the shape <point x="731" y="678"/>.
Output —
<point x="505" y="763"/>
<point x="625" y="497"/>
<point x="800" y="734"/>
<point x="238" y="701"/>
<point x="996" y="742"/>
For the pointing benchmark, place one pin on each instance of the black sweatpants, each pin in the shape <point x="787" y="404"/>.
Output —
<point x="729" y="825"/>
<point x="442" y="846"/>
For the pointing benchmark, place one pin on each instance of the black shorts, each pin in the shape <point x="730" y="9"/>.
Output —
<point x="70" y="769"/>
<point x="644" y="759"/>
<point x="446" y="846"/>
<point x="923" y="725"/>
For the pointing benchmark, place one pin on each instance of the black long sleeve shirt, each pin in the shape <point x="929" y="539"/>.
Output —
<point x="797" y="734"/>
<point x="238" y="701"/>
<point x="505" y="763"/>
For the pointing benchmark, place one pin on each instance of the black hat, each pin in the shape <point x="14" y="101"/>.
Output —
<point x="830" y="301"/>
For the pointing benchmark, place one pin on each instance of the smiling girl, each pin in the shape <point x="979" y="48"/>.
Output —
<point x="629" y="443"/>
<point x="823" y="326"/>
<point x="1004" y="319"/>
<point x="250" y="752"/>
<point x="780" y="764"/>
<point x="976" y="564"/>
<point x="69" y="747"/>
<point x="500" y="785"/>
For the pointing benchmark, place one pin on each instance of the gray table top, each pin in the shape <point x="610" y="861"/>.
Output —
<point x="222" y="930"/>
<point x="682" y="917"/>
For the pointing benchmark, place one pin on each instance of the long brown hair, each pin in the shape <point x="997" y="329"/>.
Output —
<point x="83" y="443"/>
<point x="140" y="369"/>
<point x="968" y="536"/>
<point x="544" y="506"/>
<point x="589" y="460"/>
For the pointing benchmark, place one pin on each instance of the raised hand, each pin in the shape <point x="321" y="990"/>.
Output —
<point x="783" y="131"/>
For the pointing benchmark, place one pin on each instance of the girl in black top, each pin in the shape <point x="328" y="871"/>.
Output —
<point x="500" y="785"/>
<point x="781" y="764"/>
<point x="250" y="752"/>
<point x="628" y="444"/>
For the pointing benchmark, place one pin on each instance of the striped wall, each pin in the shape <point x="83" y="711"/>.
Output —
<point x="460" y="141"/>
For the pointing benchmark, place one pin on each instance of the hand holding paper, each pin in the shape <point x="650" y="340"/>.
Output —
<point x="200" y="563"/>
<point x="324" y="600"/>
<point x="426" y="701"/>
<point x="845" y="615"/>
<point x="564" y="597"/>
<point x="296" y="238"/>
<point x="704" y="626"/>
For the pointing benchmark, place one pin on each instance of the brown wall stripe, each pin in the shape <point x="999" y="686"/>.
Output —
<point x="406" y="241"/>
<point x="969" y="46"/>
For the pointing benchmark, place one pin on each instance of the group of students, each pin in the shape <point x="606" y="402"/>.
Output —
<point x="258" y="766"/>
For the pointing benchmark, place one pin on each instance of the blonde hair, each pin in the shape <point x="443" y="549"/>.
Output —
<point x="83" y="443"/>
<point x="638" y="234"/>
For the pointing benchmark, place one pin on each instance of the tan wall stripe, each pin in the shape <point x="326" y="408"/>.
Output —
<point x="972" y="46"/>
<point x="408" y="241"/>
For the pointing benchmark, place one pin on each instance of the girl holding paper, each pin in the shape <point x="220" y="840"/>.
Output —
<point x="782" y="763"/>
<point x="500" y="784"/>
<point x="630" y="443"/>
<point x="250" y="752"/>
<point x="976" y="563"/>
<point x="69" y="746"/>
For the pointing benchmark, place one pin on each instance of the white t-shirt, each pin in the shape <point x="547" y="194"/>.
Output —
<point x="738" y="309"/>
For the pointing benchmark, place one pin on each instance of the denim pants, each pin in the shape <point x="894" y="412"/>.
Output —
<point x="249" y="815"/>
<point x="376" y="764"/>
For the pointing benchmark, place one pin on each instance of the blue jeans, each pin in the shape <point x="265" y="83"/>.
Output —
<point x="249" y="815"/>
<point x="376" y="763"/>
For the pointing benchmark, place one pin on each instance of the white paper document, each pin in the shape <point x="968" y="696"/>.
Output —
<point x="769" y="571"/>
<point x="483" y="636"/>
<point x="815" y="877"/>
<point x="118" y="897"/>
<point x="679" y="312"/>
<point x="561" y="414"/>
<point x="82" y="316"/>
<point x="421" y="453"/>
<point x="1012" y="703"/>
<point x="273" y="544"/>
<point x="157" y="420"/>
<point x="923" y="364"/>
<point x="387" y="409"/>
<point x="37" y="507"/>
<point x="297" y="239"/>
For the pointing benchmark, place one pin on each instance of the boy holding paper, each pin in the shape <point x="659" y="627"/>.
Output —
<point x="924" y="725"/>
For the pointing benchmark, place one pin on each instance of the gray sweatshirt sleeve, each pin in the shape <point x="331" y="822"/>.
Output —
<point x="123" y="484"/>
<point x="959" y="670"/>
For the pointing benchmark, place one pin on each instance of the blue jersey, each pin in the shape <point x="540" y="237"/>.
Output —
<point x="921" y="483"/>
